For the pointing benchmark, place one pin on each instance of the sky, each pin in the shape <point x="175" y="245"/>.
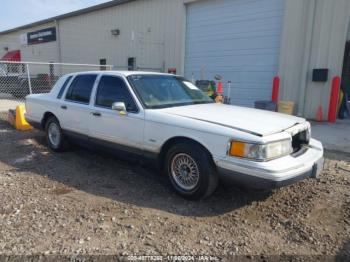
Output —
<point x="14" y="13"/>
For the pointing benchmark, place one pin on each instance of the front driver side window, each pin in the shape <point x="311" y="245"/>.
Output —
<point x="113" y="89"/>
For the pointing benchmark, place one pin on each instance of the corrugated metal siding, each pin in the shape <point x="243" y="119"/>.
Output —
<point x="238" y="39"/>
<point x="47" y="52"/>
<point x="328" y="46"/>
<point x="150" y="30"/>
<point x="315" y="32"/>
<point x="295" y="48"/>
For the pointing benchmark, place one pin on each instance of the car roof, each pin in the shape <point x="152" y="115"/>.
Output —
<point x="120" y="73"/>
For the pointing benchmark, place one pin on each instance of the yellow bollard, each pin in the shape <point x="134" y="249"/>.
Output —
<point x="21" y="123"/>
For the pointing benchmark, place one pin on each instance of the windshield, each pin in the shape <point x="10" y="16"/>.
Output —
<point x="162" y="91"/>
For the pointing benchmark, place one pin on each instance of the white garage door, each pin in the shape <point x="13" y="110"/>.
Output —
<point x="238" y="39"/>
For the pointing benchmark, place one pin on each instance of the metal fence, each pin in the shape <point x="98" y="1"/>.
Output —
<point x="19" y="79"/>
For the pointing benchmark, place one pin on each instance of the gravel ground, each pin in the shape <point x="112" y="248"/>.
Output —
<point x="82" y="202"/>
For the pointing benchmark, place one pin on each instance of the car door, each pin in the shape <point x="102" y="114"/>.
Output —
<point x="107" y="125"/>
<point x="75" y="108"/>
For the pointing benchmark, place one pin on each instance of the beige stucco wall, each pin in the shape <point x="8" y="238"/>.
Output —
<point x="314" y="36"/>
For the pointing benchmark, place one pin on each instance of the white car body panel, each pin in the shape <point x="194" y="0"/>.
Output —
<point x="76" y="122"/>
<point x="211" y="125"/>
<point x="108" y="128"/>
<point x="245" y="119"/>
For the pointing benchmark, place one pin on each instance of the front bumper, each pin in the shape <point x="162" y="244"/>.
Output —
<point x="273" y="174"/>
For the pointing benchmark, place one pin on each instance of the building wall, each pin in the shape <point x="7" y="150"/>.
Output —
<point x="150" y="30"/>
<point x="239" y="40"/>
<point x="315" y="33"/>
<point x="153" y="31"/>
<point x="45" y="52"/>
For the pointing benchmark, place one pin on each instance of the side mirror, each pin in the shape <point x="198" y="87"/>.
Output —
<point x="120" y="107"/>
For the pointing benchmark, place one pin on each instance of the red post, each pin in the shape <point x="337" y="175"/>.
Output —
<point x="333" y="103"/>
<point x="276" y="89"/>
<point x="220" y="88"/>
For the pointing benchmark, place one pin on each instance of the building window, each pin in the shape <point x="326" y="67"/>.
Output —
<point x="14" y="68"/>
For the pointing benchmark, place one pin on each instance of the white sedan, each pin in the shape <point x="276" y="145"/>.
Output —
<point x="168" y="119"/>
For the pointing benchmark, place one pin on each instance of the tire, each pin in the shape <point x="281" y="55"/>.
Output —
<point x="191" y="171"/>
<point x="54" y="135"/>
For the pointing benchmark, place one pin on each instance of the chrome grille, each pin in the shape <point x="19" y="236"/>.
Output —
<point x="300" y="140"/>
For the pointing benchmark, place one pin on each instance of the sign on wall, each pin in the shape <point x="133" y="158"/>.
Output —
<point x="24" y="39"/>
<point x="42" y="36"/>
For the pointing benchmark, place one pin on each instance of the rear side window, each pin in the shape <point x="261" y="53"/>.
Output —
<point x="112" y="89"/>
<point x="81" y="88"/>
<point x="63" y="88"/>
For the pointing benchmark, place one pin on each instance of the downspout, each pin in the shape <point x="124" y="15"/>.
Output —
<point x="58" y="41"/>
<point x="307" y="57"/>
<point x="183" y="40"/>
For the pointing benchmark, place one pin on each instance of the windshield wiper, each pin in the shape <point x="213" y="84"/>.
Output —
<point x="203" y="102"/>
<point x="180" y="104"/>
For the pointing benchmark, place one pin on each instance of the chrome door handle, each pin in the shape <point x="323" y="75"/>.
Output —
<point x="96" y="114"/>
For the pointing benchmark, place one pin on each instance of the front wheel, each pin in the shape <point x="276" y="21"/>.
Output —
<point x="54" y="135"/>
<point x="191" y="171"/>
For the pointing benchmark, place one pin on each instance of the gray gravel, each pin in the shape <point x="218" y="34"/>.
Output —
<point x="82" y="202"/>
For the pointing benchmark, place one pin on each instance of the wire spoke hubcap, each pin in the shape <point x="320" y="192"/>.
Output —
<point x="54" y="134"/>
<point x="185" y="171"/>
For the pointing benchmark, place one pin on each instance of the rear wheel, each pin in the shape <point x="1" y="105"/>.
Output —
<point x="191" y="171"/>
<point x="54" y="135"/>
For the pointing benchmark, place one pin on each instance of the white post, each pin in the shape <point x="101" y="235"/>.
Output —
<point x="229" y="92"/>
<point x="29" y="81"/>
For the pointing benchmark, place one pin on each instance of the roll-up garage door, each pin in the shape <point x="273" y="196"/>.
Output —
<point x="237" y="39"/>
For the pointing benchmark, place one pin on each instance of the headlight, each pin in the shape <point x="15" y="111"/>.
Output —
<point x="260" y="152"/>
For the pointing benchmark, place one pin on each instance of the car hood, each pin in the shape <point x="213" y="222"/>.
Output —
<point x="254" y="121"/>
